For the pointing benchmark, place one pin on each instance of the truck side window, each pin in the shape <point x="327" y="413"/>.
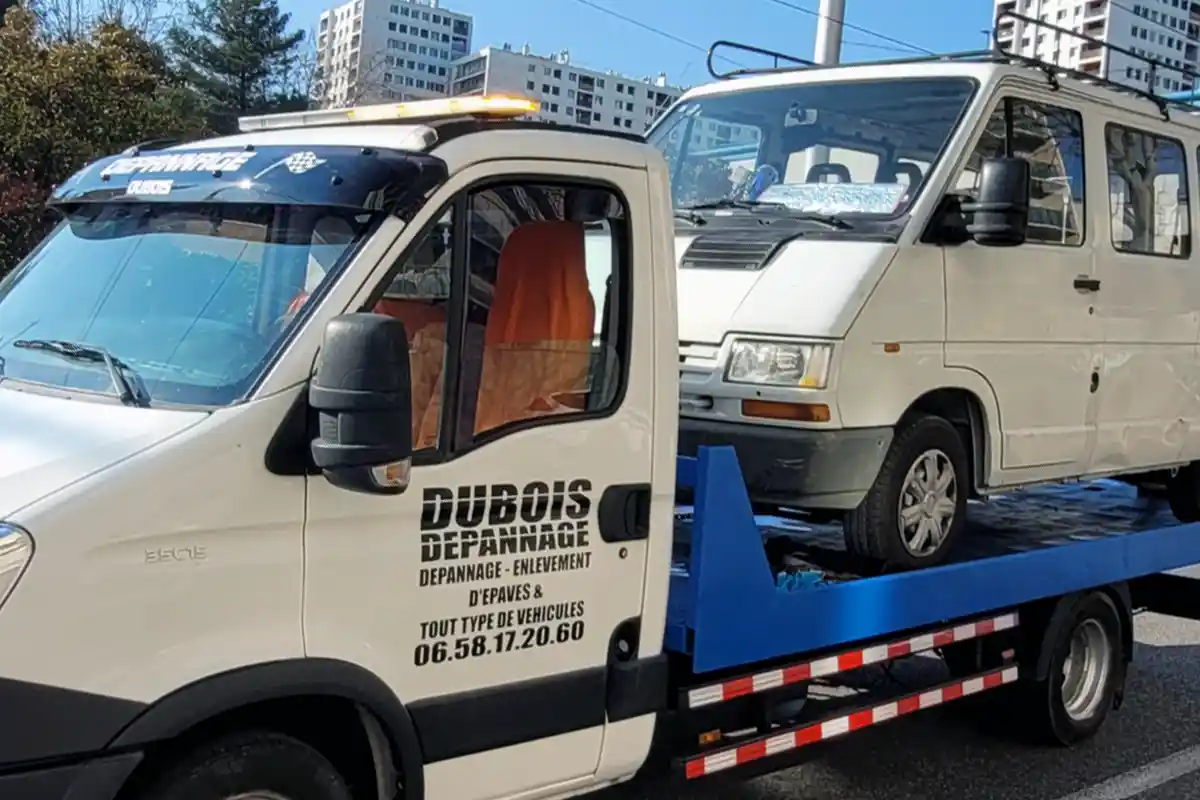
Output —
<point x="418" y="295"/>
<point x="1051" y="139"/>
<point x="1147" y="193"/>
<point x="546" y="305"/>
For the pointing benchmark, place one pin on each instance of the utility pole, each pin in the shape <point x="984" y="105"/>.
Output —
<point x="827" y="52"/>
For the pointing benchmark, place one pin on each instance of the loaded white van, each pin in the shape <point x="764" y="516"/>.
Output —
<point x="873" y="350"/>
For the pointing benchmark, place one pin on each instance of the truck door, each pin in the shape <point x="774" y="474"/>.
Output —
<point x="490" y="594"/>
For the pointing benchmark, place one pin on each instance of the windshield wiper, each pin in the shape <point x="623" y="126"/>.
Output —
<point x="825" y="219"/>
<point x="687" y="215"/>
<point x="765" y="205"/>
<point x="80" y="351"/>
<point x="728" y="202"/>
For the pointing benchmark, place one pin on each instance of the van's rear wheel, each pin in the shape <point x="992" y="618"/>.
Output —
<point x="249" y="766"/>
<point x="1183" y="493"/>
<point x="916" y="509"/>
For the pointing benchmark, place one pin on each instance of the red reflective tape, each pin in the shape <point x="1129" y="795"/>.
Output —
<point x="849" y="661"/>
<point x="752" y="751"/>
<point x="694" y="768"/>
<point x="738" y="687"/>
<point x="862" y="719"/>
<point x="952" y="692"/>
<point x="943" y="638"/>
<point x="900" y="649"/>
<point x="798" y="673"/>
<point x="985" y="627"/>
<point x="993" y="680"/>
<point x="808" y="735"/>
<point x="907" y="705"/>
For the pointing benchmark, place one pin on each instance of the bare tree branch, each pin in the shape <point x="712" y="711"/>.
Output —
<point x="72" y="20"/>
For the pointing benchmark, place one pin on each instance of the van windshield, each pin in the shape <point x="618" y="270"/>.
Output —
<point x="190" y="299"/>
<point x="858" y="147"/>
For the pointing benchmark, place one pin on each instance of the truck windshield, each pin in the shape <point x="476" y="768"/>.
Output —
<point x="860" y="147"/>
<point x="191" y="300"/>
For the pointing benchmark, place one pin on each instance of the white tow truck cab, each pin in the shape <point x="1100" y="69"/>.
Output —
<point x="340" y="459"/>
<point x="869" y="352"/>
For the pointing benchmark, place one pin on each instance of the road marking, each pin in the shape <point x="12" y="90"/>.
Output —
<point x="1142" y="779"/>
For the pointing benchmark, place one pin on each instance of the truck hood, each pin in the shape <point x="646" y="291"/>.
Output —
<point x="809" y="287"/>
<point x="48" y="443"/>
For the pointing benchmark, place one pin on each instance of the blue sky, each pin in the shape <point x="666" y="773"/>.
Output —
<point x="601" y="41"/>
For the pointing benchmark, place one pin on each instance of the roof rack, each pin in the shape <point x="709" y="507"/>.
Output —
<point x="999" y="54"/>
<point x="758" y="51"/>
<point x="1154" y="66"/>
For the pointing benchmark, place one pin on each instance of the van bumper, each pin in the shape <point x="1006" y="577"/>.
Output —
<point x="100" y="778"/>
<point x="803" y="468"/>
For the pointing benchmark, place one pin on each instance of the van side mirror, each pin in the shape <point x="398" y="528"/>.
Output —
<point x="362" y="393"/>
<point x="1001" y="210"/>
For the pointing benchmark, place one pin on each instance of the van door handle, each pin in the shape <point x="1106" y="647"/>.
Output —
<point x="1087" y="284"/>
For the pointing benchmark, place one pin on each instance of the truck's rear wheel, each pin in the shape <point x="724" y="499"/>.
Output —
<point x="249" y="766"/>
<point x="1084" y="675"/>
<point x="915" y="510"/>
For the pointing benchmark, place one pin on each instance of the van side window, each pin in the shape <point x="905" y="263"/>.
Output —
<point x="1051" y="139"/>
<point x="418" y="295"/>
<point x="547" y="303"/>
<point x="1147" y="193"/>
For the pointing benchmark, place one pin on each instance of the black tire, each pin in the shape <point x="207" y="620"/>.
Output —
<point x="249" y="762"/>
<point x="1183" y="493"/>
<point x="1043" y="700"/>
<point x="872" y="530"/>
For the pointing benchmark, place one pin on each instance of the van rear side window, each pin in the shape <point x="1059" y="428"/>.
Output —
<point x="1147" y="193"/>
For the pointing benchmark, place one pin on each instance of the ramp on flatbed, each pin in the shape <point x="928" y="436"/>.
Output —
<point x="728" y="607"/>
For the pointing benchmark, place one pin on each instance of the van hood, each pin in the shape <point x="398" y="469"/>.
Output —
<point x="803" y="287"/>
<point x="48" y="443"/>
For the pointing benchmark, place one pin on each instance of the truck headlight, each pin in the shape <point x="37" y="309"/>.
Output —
<point x="795" y="364"/>
<point x="16" y="548"/>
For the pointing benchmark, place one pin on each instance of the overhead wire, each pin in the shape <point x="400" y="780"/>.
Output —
<point x="702" y="49"/>
<point x="850" y="26"/>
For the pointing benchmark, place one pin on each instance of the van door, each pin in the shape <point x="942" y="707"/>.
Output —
<point x="1146" y="302"/>
<point x="1023" y="317"/>
<point x="493" y="593"/>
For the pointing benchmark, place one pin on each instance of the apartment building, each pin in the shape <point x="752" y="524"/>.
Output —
<point x="1167" y="31"/>
<point x="570" y="94"/>
<point x="371" y="51"/>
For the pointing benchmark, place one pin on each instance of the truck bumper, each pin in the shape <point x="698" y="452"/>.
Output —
<point x="96" y="779"/>
<point x="802" y="468"/>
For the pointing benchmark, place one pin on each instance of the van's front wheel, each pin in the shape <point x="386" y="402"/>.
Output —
<point x="917" y="506"/>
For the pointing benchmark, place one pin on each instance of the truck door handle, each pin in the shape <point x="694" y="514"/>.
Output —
<point x="625" y="512"/>
<point x="1087" y="284"/>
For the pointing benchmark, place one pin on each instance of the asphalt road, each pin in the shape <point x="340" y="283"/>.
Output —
<point x="1149" y="749"/>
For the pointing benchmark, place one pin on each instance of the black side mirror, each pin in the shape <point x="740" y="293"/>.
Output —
<point x="362" y="393"/>
<point x="1001" y="211"/>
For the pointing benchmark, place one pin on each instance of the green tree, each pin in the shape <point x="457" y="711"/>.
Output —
<point x="64" y="104"/>
<point x="239" y="55"/>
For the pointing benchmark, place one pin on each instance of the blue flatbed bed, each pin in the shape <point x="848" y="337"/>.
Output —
<point x="758" y="604"/>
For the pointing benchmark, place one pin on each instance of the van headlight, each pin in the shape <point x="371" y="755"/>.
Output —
<point x="803" y="365"/>
<point x="16" y="548"/>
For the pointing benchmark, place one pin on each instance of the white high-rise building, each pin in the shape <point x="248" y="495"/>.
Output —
<point x="569" y="94"/>
<point x="378" y="50"/>
<point x="1167" y="31"/>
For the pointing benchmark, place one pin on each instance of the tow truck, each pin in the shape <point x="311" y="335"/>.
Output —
<point x="340" y="461"/>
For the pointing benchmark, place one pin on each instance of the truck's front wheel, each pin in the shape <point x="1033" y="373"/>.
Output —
<point x="249" y="766"/>
<point x="917" y="506"/>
